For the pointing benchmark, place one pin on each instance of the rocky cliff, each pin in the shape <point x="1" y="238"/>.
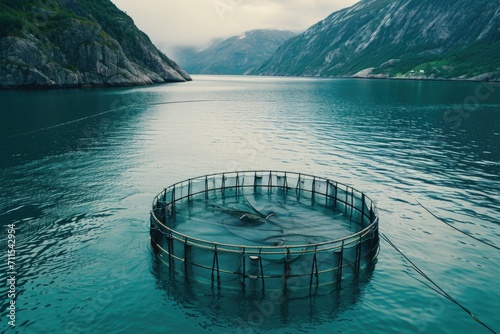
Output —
<point x="425" y="39"/>
<point x="75" y="43"/>
<point x="235" y="55"/>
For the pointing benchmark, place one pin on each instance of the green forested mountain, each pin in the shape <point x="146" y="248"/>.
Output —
<point x="429" y="39"/>
<point x="235" y="55"/>
<point x="73" y="43"/>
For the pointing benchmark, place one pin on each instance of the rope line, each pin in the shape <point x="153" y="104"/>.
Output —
<point x="435" y="287"/>
<point x="95" y="115"/>
<point x="457" y="229"/>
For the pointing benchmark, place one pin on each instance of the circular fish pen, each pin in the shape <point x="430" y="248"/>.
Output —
<point x="264" y="230"/>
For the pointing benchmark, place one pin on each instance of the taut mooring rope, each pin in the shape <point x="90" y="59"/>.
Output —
<point x="437" y="288"/>
<point x="457" y="229"/>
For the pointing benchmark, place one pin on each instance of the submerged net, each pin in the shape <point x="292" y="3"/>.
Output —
<point x="255" y="219"/>
<point x="264" y="230"/>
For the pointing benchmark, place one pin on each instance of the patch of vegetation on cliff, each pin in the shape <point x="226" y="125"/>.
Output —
<point x="12" y="19"/>
<point x="49" y="17"/>
<point x="469" y="61"/>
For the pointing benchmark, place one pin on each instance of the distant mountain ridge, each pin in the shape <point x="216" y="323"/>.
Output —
<point x="235" y="55"/>
<point x="77" y="43"/>
<point x="425" y="39"/>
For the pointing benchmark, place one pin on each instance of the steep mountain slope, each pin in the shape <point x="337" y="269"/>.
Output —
<point x="235" y="55"/>
<point x="74" y="43"/>
<point x="445" y="39"/>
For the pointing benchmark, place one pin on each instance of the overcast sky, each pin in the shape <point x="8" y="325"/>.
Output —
<point x="173" y="23"/>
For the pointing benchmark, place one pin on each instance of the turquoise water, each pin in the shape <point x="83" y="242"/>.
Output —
<point x="79" y="169"/>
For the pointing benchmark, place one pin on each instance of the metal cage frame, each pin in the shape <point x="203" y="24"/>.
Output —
<point x="326" y="263"/>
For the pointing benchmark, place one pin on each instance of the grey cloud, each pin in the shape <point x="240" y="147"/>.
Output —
<point x="197" y="22"/>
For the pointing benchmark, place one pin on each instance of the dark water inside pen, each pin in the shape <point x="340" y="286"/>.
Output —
<point x="79" y="169"/>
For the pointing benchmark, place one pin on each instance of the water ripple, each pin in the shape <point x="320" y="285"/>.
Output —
<point x="78" y="185"/>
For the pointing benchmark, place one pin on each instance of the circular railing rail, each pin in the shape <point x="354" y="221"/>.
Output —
<point x="266" y="267"/>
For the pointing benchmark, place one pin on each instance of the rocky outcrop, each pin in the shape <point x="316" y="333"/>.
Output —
<point x="71" y="47"/>
<point x="413" y="39"/>
<point x="235" y="55"/>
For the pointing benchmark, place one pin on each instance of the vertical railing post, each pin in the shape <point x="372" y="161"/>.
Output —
<point x="172" y="203"/>
<point x="338" y="262"/>
<point x="358" y="256"/>
<point x="223" y="185"/>
<point x="287" y="268"/>
<point x="346" y="199"/>
<point x="363" y="203"/>
<point x="215" y="266"/>
<point x="314" y="269"/>
<point x="244" y="271"/>
<point x="187" y="256"/>
<point x="372" y="213"/>
<point x="270" y="182"/>
<point x="261" y="270"/>
<point x="170" y="249"/>
<point x="353" y="202"/>
<point x="206" y="187"/>
<point x="327" y="193"/>
<point x="313" y="192"/>
<point x="237" y="184"/>
<point x="335" y="188"/>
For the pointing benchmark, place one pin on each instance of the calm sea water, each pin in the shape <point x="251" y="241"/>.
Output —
<point x="79" y="169"/>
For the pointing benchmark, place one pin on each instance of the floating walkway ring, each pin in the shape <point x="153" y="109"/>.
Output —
<point x="264" y="230"/>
